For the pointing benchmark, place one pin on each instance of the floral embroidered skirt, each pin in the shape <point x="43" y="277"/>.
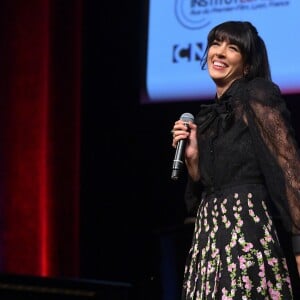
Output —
<point x="235" y="252"/>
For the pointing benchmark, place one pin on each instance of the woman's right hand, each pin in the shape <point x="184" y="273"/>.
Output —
<point x="181" y="131"/>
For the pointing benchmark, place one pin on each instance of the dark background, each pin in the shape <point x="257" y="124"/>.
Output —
<point x="132" y="213"/>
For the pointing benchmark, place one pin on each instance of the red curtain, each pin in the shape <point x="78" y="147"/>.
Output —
<point x="40" y="93"/>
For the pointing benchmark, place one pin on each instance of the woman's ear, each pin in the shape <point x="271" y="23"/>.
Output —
<point x="246" y="70"/>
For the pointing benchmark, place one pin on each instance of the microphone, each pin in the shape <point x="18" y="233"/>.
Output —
<point x="180" y="147"/>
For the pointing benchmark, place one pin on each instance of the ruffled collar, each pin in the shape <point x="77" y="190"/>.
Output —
<point x="231" y="90"/>
<point x="219" y="112"/>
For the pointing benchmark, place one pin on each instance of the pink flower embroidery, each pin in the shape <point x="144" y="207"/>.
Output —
<point x="272" y="261"/>
<point x="247" y="247"/>
<point x="247" y="281"/>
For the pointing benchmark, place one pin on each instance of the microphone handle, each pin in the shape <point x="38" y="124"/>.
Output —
<point x="178" y="162"/>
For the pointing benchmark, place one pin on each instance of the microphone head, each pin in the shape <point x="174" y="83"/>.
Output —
<point x="186" y="117"/>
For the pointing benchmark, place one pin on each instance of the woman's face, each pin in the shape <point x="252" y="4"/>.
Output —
<point x="225" y="63"/>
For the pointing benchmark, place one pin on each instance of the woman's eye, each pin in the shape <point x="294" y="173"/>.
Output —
<point x="234" y="48"/>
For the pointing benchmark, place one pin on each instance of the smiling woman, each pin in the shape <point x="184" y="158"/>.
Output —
<point x="228" y="57"/>
<point x="242" y="156"/>
<point x="225" y="64"/>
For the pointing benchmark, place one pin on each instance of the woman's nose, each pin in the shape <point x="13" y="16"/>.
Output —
<point x="221" y="51"/>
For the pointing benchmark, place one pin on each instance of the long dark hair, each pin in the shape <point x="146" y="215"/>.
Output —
<point x="251" y="45"/>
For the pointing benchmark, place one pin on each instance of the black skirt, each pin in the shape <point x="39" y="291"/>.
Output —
<point x="235" y="252"/>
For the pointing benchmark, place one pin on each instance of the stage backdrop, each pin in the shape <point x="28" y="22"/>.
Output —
<point x="40" y="51"/>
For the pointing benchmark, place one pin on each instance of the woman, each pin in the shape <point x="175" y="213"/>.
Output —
<point x="241" y="150"/>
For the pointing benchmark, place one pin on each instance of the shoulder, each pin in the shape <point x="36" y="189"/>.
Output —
<point x="263" y="84"/>
<point x="264" y="91"/>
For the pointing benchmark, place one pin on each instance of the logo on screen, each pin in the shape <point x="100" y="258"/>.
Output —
<point x="196" y="14"/>
<point x="192" y="13"/>
<point x="187" y="53"/>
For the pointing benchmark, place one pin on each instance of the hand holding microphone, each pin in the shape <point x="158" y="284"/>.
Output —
<point x="178" y="162"/>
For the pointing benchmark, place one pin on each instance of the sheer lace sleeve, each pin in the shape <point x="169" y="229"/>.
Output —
<point x="276" y="148"/>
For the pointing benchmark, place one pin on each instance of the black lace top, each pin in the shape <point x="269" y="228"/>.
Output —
<point x="246" y="137"/>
